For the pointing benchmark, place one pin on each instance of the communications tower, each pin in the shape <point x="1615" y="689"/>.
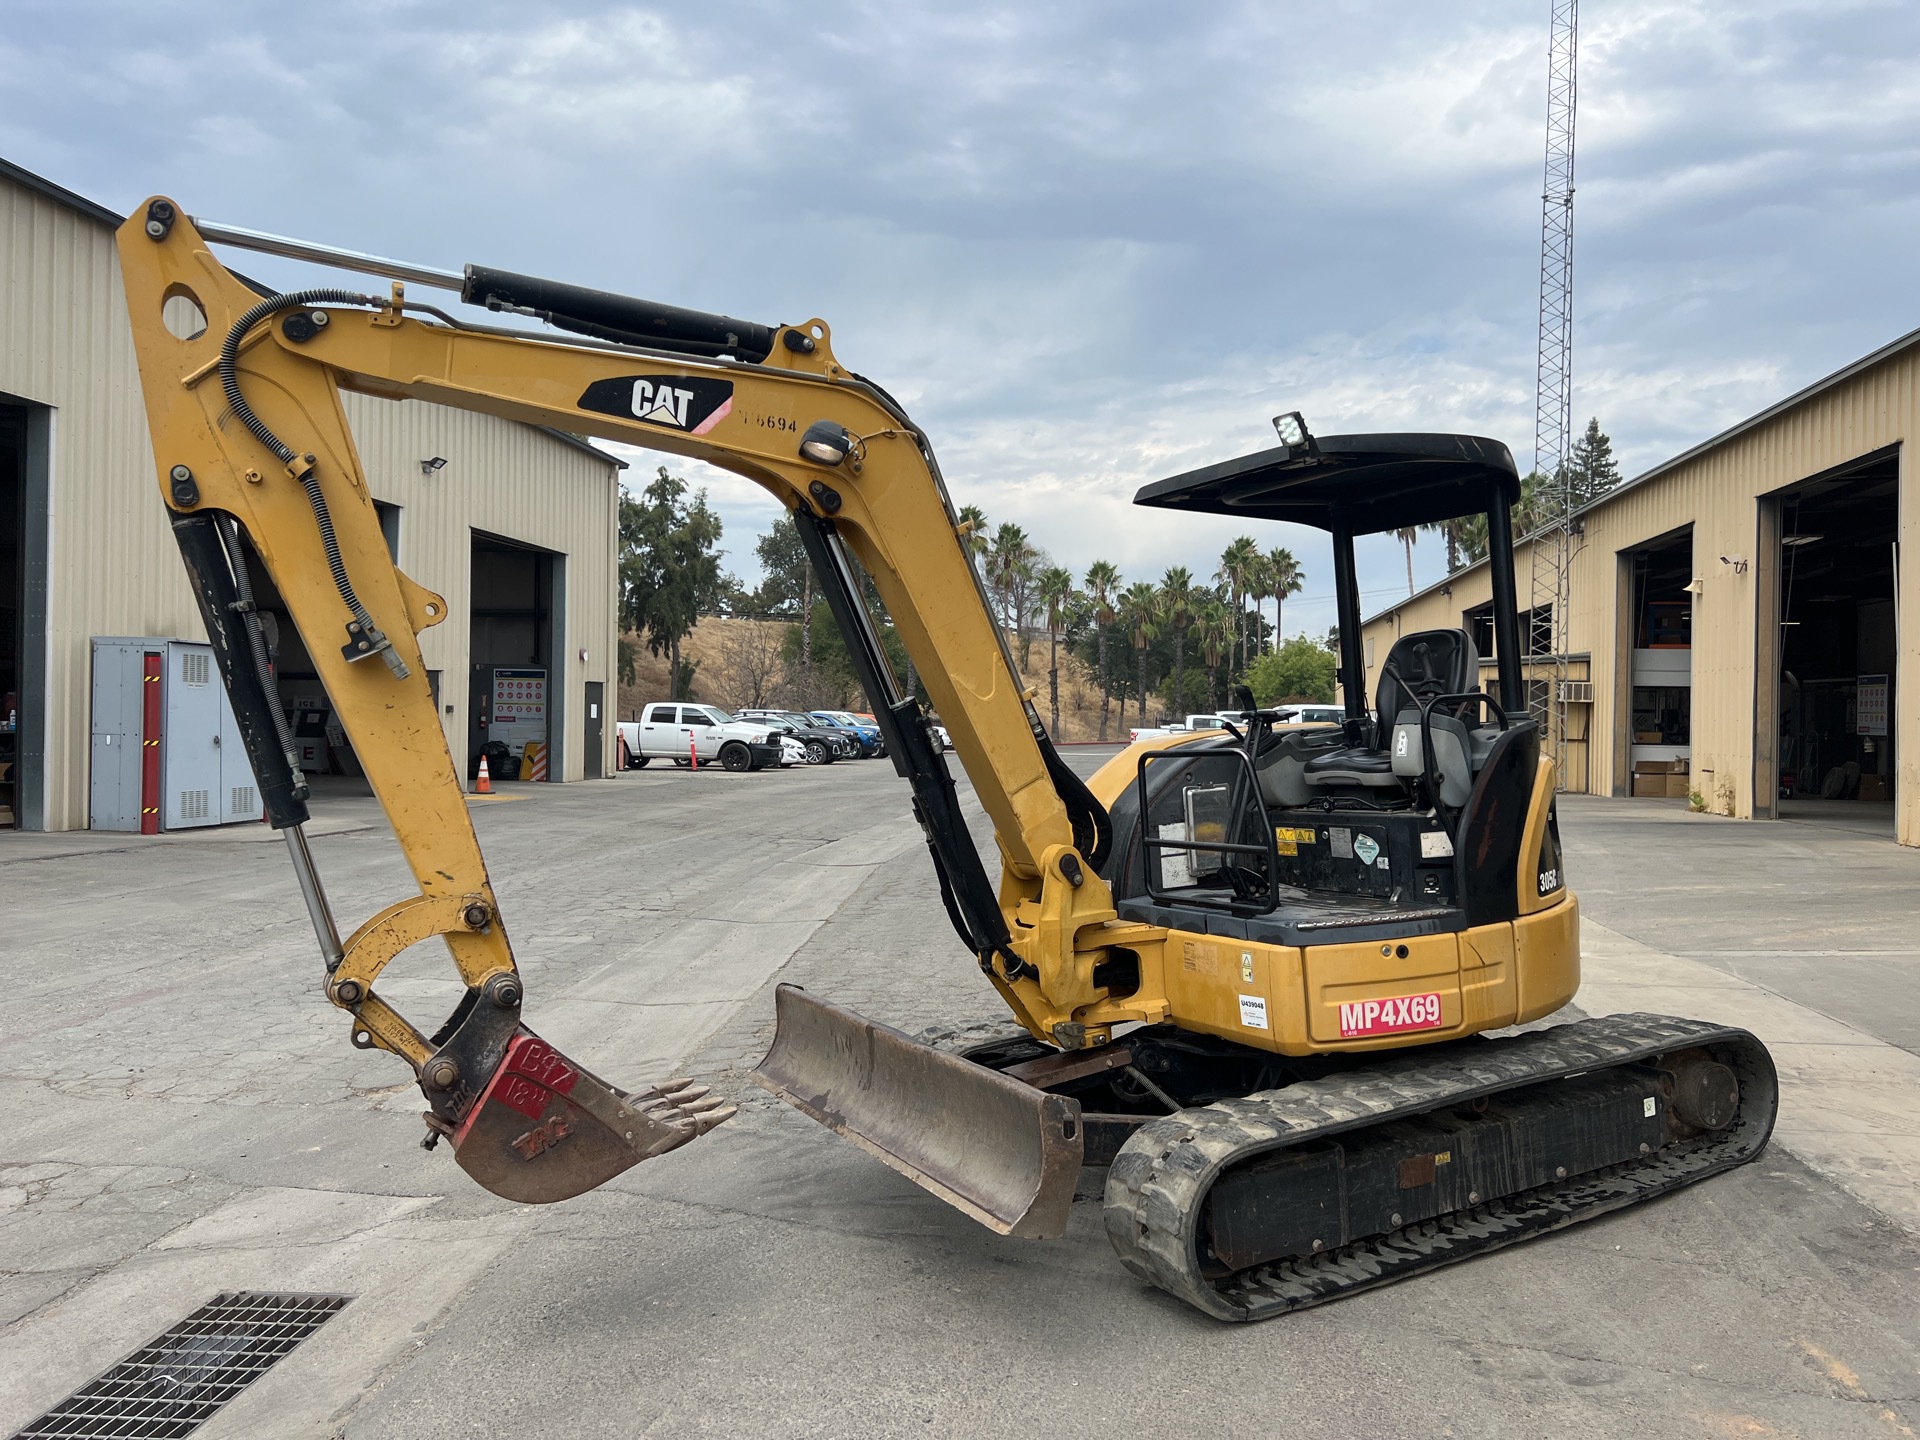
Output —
<point x="1545" y="632"/>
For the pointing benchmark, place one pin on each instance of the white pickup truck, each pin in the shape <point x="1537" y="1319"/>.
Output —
<point x="678" y="731"/>
<point x="1194" y="722"/>
<point x="1292" y="716"/>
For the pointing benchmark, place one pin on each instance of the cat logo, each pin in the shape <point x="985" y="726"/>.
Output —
<point x="693" y="404"/>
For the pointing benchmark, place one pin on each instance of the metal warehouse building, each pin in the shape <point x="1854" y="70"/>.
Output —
<point x="1735" y="612"/>
<point x="518" y="529"/>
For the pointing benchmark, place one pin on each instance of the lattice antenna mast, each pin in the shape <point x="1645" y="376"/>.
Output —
<point x="1554" y="500"/>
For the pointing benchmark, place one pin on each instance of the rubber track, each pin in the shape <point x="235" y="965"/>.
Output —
<point x="1157" y="1189"/>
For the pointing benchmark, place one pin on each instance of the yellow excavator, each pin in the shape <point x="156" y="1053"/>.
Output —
<point x="1253" y="970"/>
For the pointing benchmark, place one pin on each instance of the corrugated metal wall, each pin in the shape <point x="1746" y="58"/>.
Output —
<point x="113" y="569"/>
<point x="1718" y="493"/>
<point x="65" y="344"/>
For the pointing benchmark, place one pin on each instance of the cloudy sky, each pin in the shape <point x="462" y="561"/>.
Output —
<point x="1087" y="244"/>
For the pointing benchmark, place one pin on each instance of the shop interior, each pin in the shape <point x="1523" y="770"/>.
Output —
<point x="1838" y="640"/>
<point x="1660" y="701"/>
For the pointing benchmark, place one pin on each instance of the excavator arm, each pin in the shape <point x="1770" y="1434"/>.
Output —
<point x="252" y="447"/>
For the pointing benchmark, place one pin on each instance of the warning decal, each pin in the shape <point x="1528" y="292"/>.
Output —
<point x="1391" y="1016"/>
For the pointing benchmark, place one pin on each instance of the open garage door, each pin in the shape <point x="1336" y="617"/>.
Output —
<point x="1836" y="568"/>
<point x="1654" y="720"/>
<point x="517" y="687"/>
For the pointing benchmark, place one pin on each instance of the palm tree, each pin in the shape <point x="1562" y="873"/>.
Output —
<point x="1176" y="602"/>
<point x="1449" y="531"/>
<point x="1237" y="565"/>
<point x="1103" y="583"/>
<point x="1284" y="578"/>
<point x="975" y="540"/>
<point x="1214" y="633"/>
<point x="1406" y="537"/>
<point x="1056" y="589"/>
<point x="1140" y="613"/>
<point x="1010" y="574"/>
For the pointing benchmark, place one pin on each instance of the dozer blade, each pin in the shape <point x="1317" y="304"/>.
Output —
<point x="544" y="1129"/>
<point x="996" y="1149"/>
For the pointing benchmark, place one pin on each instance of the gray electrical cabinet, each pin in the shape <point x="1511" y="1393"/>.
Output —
<point x="204" y="776"/>
<point x="119" y="696"/>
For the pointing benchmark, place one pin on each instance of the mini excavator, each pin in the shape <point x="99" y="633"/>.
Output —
<point x="1254" y="970"/>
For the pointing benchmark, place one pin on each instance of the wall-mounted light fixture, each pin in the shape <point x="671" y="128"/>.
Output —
<point x="1738" y="562"/>
<point x="438" y="462"/>
<point x="1694" y="587"/>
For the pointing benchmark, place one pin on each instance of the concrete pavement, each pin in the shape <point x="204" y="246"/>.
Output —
<point x="185" y="1116"/>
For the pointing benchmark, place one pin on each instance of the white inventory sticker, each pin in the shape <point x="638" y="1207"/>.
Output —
<point x="1253" y="1012"/>
<point x="1435" y="845"/>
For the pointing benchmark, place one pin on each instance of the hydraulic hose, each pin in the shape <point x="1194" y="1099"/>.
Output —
<point x="237" y="402"/>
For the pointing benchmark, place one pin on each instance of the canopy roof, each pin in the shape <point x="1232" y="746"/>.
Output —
<point x="1365" y="482"/>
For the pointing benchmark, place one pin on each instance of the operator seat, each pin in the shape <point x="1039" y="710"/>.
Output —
<point x="1419" y="667"/>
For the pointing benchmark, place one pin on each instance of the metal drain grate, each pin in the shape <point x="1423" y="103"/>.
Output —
<point x="177" y="1380"/>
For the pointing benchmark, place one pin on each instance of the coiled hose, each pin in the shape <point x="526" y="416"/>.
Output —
<point x="237" y="402"/>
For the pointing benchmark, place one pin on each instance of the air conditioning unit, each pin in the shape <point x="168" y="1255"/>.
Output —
<point x="1576" y="692"/>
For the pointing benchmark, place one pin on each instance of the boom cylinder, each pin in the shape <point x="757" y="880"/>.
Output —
<point x="607" y="316"/>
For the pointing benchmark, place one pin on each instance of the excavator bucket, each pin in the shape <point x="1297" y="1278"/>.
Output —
<point x="544" y="1129"/>
<point x="992" y="1147"/>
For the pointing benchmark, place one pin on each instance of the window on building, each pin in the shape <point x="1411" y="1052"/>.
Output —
<point x="1479" y="624"/>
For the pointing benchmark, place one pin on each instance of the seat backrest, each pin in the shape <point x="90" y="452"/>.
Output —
<point x="1452" y="753"/>
<point x="1422" y="665"/>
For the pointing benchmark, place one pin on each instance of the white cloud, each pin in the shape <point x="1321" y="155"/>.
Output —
<point x="1088" y="244"/>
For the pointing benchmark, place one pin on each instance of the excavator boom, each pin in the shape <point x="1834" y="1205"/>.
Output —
<point x="254" y="454"/>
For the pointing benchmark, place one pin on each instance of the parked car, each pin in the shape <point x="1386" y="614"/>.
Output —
<point x="792" y="752"/>
<point x="823" y="744"/>
<point x="677" y="731"/>
<point x="1314" y="715"/>
<point x="864" y="731"/>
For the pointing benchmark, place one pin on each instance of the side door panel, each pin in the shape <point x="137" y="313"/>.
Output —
<point x="660" y="731"/>
<point x="697" y="724"/>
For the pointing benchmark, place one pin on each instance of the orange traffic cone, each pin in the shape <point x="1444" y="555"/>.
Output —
<point x="485" y="785"/>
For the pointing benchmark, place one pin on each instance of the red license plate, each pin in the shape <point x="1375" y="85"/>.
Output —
<point x="1392" y="1016"/>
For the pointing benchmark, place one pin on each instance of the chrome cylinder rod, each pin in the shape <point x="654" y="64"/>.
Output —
<point x="329" y="255"/>
<point x="317" y="909"/>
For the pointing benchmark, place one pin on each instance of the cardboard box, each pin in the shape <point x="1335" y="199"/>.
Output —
<point x="1659" y="767"/>
<point x="1873" y="787"/>
<point x="1649" y="787"/>
<point x="1679" y="786"/>
<point x="1647" y="737"/>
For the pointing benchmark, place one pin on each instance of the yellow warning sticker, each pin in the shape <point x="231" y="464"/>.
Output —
<point x="1288" y="840"/>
